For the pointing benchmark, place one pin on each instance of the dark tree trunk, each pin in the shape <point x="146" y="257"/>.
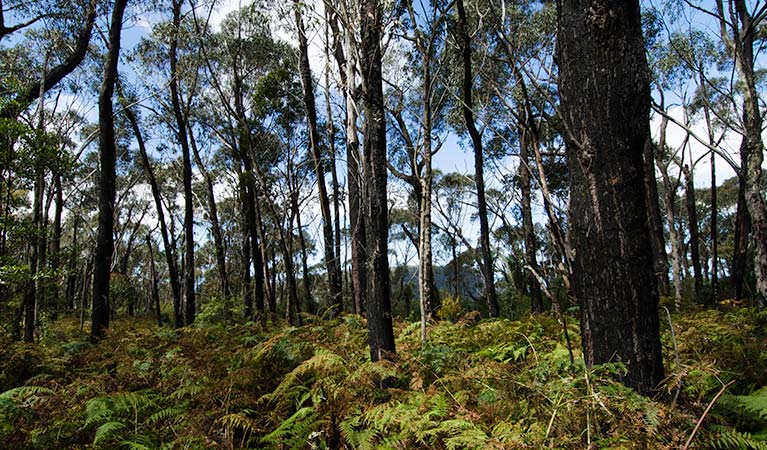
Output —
<point x="479" y="170"/>
<point x="752" y="122"/>
<point x="247" y="207"/>
<point x="153" y="281"/>
<point x="335" y="301"/>
<point x="742" y="229"/>
<point x="181" y="130"/>
<point x="605" y="101"/>
<point x="56" y="244"/>
<point x="170" y="253"/>
<point x="380" y="330"/>
<point x="657" y="238"/>
<point x="73" y="264"/>
<point x="107" y="179"/>
<point x="692" y="223"/>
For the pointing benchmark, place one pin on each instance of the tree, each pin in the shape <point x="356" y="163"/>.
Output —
<point x="380" y="330"/>
<point x="605" y="102"/>
<point x="479" y="177"/>
<point x="332" y="261"/>
<point x="107" y="178"/>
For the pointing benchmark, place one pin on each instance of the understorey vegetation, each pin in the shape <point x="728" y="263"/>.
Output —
<point x="477" y="383"/>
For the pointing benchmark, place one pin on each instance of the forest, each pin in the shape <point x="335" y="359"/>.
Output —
<point x="383" y="224"/>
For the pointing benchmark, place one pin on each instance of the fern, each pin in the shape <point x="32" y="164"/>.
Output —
<point x="107" y="431"/>
<point x="728" y="439"/>
<point x="24" y="392"/>
<point x="294" y="431"/>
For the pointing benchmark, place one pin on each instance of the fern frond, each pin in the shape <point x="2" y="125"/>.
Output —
<point x="22" y="392"/>
<point x="107" y="431"/>
<point x="165" y="414"/>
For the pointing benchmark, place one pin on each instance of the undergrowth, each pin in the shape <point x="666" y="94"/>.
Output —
<point x="477" y="384"/>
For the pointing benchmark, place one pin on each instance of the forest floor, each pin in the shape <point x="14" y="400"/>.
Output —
<point x="492" y="384"/>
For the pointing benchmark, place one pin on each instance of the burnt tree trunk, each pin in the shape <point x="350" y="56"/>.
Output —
<point x="155" y="291"/>
<point x="107" y="179"/>
<point x="605" y="101"/>
<point x="380" y="330"/>
<point x="531" y="244"/>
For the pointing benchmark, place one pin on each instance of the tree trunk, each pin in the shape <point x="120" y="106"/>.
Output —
<point x="218" y="240"/>
<point x="531" y="244"/>
<point x="56" y="244"/>
<point x="692" y="223"/>
<point x="754" y="197"/>
<point x="153" y="281"/>
<point x="170" y="254"/>
<point x="306" y="282"/>
<point x="479" y="170"/>
<point x="380" y="330"/>
<point x="657" y="238"/>
<point x="181" y="129"/>
<point x="335" y="303"/>
<point x="107" y="179"/>
<point x="605" y="101"/>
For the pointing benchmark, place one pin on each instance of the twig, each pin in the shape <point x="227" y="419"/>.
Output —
<point x="705" y="413"/>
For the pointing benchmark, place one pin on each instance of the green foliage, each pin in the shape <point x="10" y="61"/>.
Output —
<point x="450" y="309"/>
<point x="495" y="384"/>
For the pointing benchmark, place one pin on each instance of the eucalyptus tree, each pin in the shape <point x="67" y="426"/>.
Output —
<point x="418" y="106"/>
<point x="68" y="38"/>
<point x="107" y="157"/>
<point x="605" y="103"/>
<point x="332" y="260"/>
<point x="463" y="37"/>
<point x="380" y="329"/>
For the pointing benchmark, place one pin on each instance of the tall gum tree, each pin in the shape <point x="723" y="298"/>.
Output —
<point x="107" y="178"/>
<point x="605" y="103"/>
<point x="380" y="329"/>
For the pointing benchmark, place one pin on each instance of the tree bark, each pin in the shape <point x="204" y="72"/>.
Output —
<point x="752" y="121"/>
<point x="380" y="330"/>
<point x="181" y="131"/>
<point x="479" y="170"/>
<point x="605" y="103"/>
<point x="694" y="230"/>
<point x="531" y="244"/>
<point x="155" y="291"/>
<point x="170" y="254"/>
<point x="107" y="179"/>
<point x="335" y="301"/>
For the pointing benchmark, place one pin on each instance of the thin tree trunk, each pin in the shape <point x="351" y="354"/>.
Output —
<point x="218" y="240"/>
<point x="56" y="244"/>
<point x="335" y="303"/>
<point x="531" y="244"/>
<point x="479" y="177"/>
<point x="170" y="254"/>
<point x="153" y="281"/>
<point x="181" y="130"/>
<point x="605" y="103"/>
<point x="107" y="179"/>
<point x="692" y="223"/>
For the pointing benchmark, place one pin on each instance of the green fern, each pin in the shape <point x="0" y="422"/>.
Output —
<point x="723" y="438"/>
<point x="107" y="431"/>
